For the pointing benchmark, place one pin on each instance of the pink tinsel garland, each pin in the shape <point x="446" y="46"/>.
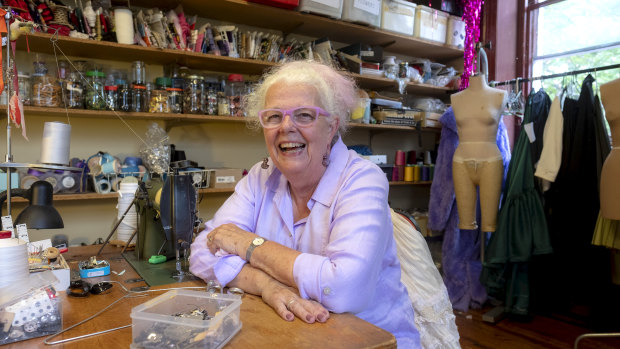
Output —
<point x="471" y="16"/>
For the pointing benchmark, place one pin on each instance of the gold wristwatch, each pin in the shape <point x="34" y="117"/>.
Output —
<point x="255" y="243"/>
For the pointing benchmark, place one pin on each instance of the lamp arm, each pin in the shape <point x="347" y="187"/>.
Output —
<point x="24" y="193"/>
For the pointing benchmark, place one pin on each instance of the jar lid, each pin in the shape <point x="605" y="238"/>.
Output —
<point x="110" y="88"/>
<point x="235" y="77"/>
<point x="139" y="87"/>
<point x="23" y="75"/>
<point x="195" y="77"/>
<point x="174" y="89"/>
<point x="95" y="73"/>
<point x="163" y="81"/>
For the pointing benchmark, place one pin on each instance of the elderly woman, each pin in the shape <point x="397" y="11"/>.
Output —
<point x="309" y="229"/>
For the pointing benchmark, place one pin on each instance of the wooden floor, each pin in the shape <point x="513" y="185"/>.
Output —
<point x="540" y="332"/>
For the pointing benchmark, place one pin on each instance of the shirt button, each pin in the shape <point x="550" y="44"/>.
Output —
<point x="327" y="291"/>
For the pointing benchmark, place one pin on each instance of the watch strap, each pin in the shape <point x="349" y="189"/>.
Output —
<point x="248" y="252"/>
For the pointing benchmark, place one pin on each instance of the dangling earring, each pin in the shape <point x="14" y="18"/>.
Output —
<point x="265" y="165"/>
<point x="325" y="161"/>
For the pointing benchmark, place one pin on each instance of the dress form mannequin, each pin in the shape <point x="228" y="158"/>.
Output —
<point x="610" y="175"/>
<point x="477" y="161"/>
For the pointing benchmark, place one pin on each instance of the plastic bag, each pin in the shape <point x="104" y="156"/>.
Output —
<point x="155" y="152"/>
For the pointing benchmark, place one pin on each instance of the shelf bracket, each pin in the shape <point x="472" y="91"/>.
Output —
<point x="389" y="43"/>
<point x="292" y="29"/>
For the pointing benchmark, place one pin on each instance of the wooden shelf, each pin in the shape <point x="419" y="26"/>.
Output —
<point x="108" y="114"/>
<point x="400" y="183"/>
<point x="287" y="21"/>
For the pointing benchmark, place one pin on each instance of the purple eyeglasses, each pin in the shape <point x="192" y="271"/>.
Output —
<point x="301" y="116"/>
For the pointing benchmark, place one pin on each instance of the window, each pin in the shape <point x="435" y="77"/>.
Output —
<point x="569" y="35"/>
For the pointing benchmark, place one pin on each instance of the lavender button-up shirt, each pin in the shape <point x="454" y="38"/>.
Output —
<point x="348" y="258"/>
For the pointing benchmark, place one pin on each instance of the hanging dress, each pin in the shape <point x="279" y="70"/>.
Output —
<point x="521" y="227"/>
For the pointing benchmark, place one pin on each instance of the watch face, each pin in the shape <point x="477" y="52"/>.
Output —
<point x="258" y="241"/>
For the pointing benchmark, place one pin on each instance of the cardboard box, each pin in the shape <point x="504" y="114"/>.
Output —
<point x="225" y="177"/>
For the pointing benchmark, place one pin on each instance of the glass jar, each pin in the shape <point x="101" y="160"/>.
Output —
<point x="211" y="100"/>
<point x="25" y="89"/>
<point x="45" y="91"/>
<point x="138" y="98"/>
<point x="138" y="73"/>
<point x="73" y="91"/>
<point x="193" y="96"/>
<point x="222" y="104"/>
<point x="235" y="90"/>
<point x="175" y="99"/>
<point x="94" y="97"/>
<point x="124" y="98"/>
<point x="159" y="101"/>
<point x="111" y="97"/>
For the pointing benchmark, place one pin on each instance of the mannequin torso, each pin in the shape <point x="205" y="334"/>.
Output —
<point x="477" y="110"/>
<point x="610" y="175"/>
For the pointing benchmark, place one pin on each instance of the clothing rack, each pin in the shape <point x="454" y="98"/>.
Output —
<point x="559" y="75"/>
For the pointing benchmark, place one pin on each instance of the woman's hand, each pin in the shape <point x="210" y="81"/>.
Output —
<point x="229" y="238"/>
<point x="288" y="304"/>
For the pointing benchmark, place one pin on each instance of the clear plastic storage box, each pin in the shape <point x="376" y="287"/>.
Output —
<point x="430" y="24"/>
<point x="184" y="319"/>
<point x="362" y="11"/>
<point x="398" y="16"/>
<point x="456" y="32"/>
<point x="329" y="8"/>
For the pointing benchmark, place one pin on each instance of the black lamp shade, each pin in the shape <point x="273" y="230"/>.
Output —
<point x="40" y="214"/>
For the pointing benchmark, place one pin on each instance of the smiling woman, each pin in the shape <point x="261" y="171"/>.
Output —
<point x="310" y="228"/>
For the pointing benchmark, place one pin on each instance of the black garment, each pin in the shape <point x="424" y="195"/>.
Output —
<point x="577" y="271"/>
<point x="603" y="143"/>
<point x="540" y="105"/>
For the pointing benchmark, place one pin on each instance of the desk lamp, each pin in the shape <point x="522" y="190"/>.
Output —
<point x="39" y="214"/>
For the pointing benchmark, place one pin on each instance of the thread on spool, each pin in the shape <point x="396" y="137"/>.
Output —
<point x="27" y="181"/>
<point x="123" y="23"/>
<point x="14" y="261"/>
<point x="102" y="186"/>
<point x="55" y="144"/>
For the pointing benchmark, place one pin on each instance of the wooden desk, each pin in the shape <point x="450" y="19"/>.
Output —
<point x="262" y="327"/>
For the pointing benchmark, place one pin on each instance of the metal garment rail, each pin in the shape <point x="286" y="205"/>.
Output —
<point x="559" y="75"/>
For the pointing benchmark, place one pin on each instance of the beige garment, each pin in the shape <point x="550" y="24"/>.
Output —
<point x="551" y="156"/>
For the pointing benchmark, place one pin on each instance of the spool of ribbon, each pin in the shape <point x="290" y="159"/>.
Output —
<point x="111" y="167"/>
<point x="53" y="179"/>
<point x="27" y="181"/>
<point x="35" y="173"/>
<point x="55" y="144"/>
<point x="115" y="183"/>
<point x="399" y="159"/>
<point x="94" y="164"/>
<point x="409" y="173"/>
<point x="123" y="23"/>
<point x="102" y="186"/>
<point x="70" y="182"/>
<point x="133" y="161"/>
<point x="14" y="261"/>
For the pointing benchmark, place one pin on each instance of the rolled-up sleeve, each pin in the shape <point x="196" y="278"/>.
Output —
<point x="239" y="210"/>
<point x="344" y="277"/>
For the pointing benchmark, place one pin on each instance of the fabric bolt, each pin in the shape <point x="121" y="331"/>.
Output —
<point x="461" y="248"/>
<point x="434" y="317"/>
<point x="348" y="261"/>
<point x="572" y="206"/>
<point x="521" y="225"/>
<point x="551" y="155"/>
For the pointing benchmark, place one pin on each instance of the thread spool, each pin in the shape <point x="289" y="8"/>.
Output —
<point x="14" y="261"/>
<point x="102" y="186"/>
<point x="133" y="161"/>
<point x="411" y="157"/>
<point x="53" y="179"/>
<point x="416" y="173"/>
<point x="115" y="183"/>
<point x="94" y="164"/>
<point x="55" y="144"/>
<point x="70" y="182"/>
<point x="425" y="173"/>
<point x="27" y="181"/>
<point x="409" y="173"/>
<point x="123" y="23"/>
<point x="431" y="172"/>
<point x="427" y="158"/>
<point x="111" y="167"/>
<point x="399" y="159"/>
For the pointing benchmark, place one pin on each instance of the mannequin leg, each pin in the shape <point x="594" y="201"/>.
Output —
<point x="491" y="174"/>
<point x="466" y="196"/>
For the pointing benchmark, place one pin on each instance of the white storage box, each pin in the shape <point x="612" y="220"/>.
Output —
<point x="362" y="11"/>
<point x="456" y="32"/>
<point x="329" y="8"/>
<point x="398" y="16"/>
<point x="163" y="322"/>
<point x="430" y="24"/>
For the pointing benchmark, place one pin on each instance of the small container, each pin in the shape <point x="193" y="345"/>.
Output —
<point x="170" y="315"/>
<point x="398" y="16"/>
<point x="138" y="73"/>
<point x="63" y="70"/>
<point x="45" y="91"/>
<point x="124" y="98"/>
<point x="222" y="104"/>
<point x="331" y="9"/>
<point x="235" y="91"/>
<point x="111" y="97"/>
<point x="138" y="98"/>
<point x="25" y="89"/>
<point x="194" y="95"/>
<point x="430" y="24"/>
<point x="455" y="35"/>
<point x="158" y="102"/>
<point x="403" y="70"/>
<point x="74" y="91"/>
<point x="94" y="97"/>
<point x="175" y="99"/>
<point x="364" y="12"/>
<point x="211" y="100"/>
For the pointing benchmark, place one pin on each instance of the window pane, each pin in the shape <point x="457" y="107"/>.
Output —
<point x="575" y="24"/>
<point x="576" y="62"/>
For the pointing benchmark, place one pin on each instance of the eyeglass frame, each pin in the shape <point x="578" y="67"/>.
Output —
<point x="320" y="111"/>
